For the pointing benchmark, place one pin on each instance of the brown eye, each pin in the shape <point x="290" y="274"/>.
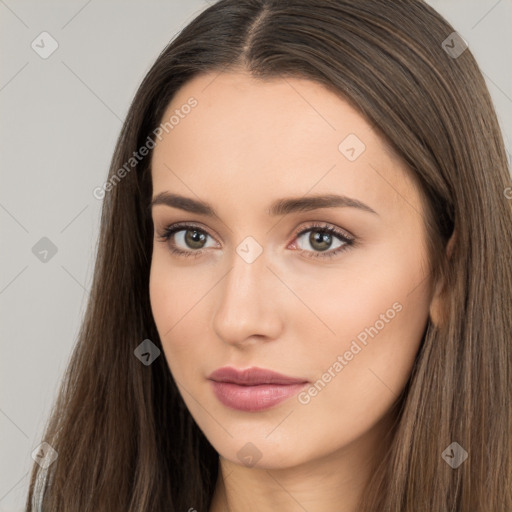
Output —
<point x="321" y="239"/>
<point x="194" y="238"/>
<point x="185" y="240"/>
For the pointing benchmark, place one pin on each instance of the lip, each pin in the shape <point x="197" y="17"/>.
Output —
<point x="253" y="389"/>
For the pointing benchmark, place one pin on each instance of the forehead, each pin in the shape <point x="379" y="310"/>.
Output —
<point x="255" y="140"/>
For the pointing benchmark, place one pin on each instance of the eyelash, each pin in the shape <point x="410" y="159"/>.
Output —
<point x="323" y="228"/>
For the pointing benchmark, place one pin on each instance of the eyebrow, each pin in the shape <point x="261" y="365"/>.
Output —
<point x="279" y="207"/>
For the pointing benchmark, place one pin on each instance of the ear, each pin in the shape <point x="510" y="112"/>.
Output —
<point x="437" y="312"/>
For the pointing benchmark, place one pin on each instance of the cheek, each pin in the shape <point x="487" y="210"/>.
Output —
<point x="177" y="296"/>
<point x="379" y="319"/>
<point x="173" y="292"/>
<point x="377" y="335"/>
<point x="360" y="380"/>
<point x="162" y="296"/>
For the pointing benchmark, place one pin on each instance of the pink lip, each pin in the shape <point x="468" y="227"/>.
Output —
<point x="253" y="389"/>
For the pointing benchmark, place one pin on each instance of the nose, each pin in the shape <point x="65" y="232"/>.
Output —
<point x="249" y="306"/>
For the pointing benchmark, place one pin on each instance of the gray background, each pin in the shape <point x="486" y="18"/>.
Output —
<point x="60" y="120"/>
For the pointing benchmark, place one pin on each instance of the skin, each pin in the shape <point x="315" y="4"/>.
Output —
<point x="245" y="144"/>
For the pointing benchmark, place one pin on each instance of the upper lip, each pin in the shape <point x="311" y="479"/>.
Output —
<point x="252" y="376"/>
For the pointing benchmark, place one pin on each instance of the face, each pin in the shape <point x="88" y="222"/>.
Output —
<point x="334" y="295"/>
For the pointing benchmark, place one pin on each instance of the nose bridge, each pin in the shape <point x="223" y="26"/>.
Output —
<point x="245" y="305"/>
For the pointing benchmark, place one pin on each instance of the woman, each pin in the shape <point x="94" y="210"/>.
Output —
<point x="303" y="292"/>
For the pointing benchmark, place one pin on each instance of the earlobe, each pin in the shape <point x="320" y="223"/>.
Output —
<point x="438" y="306"/>
<point x="437" y="311"/>
<point x="451" y="244"/>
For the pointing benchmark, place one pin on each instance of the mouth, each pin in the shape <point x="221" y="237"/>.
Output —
<point x="253" y="389"/>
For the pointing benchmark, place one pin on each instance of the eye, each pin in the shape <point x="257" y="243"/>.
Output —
<point x="320" y="240"/>
<point x="188" y="236"/>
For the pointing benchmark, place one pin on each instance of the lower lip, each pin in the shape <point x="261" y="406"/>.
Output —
<point x="254" y="398"/>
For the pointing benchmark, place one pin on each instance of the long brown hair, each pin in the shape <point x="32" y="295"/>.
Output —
<point x="124" y="437"/>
